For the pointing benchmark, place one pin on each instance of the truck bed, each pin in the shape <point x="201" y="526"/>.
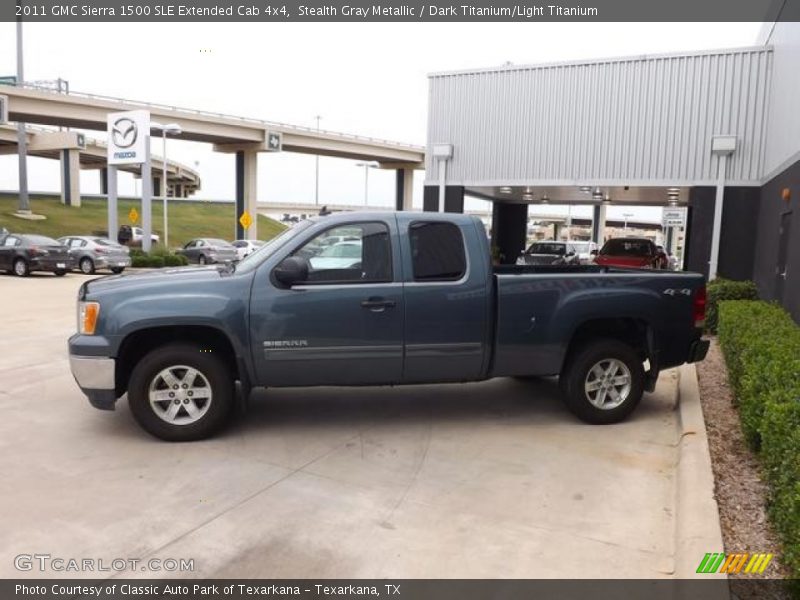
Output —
<point x="538" y="308"/>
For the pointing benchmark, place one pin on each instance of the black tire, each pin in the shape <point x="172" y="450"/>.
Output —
<point x="211" y="367"/>
<point x="21" y="268"/>
<point x="86" y="266"/>
<point x="117" y="270"/>
<point x="576" y="375"/>
<point x="60" y="272"/>
<point x="202" y="259"/>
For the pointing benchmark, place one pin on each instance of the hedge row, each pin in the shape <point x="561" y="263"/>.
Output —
<point x="157" y="259"/>
<point x="761" y="345"/>
<point x="720" y="290"/>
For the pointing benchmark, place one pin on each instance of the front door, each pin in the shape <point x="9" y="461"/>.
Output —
<point x="344" y="323"/>
<point x="781" y="269"/>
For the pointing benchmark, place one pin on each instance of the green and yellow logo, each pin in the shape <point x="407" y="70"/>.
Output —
<point x="720" y="562"/>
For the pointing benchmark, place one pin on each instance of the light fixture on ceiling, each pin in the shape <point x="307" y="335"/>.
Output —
<point x="607" y="199"/>
<point x="545" y="199"/>
<point x="585" y="189"/>
<point x="597" y="194"/>
<point x="527" y="197"/>
<point x="505" y="190"/>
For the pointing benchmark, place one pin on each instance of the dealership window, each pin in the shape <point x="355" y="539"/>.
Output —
<point x="352" y="253"/>
<point x="437" y="251"/>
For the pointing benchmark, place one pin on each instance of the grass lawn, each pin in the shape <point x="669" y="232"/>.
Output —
<point x="187" y="220"/>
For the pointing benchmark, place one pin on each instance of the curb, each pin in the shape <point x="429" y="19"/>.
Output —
<point x="697" y="528"/>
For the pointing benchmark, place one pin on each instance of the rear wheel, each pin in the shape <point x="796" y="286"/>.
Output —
<point x="603" y="381"/>
<point x="117" y="270"/>
<point x="60" y="272"/>
<point x="178" y="393"/>
<point x="87" y="265"/>
<point x="21" y="268"/>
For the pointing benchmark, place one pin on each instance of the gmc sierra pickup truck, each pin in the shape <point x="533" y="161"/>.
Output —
<point x="377" y="299"/>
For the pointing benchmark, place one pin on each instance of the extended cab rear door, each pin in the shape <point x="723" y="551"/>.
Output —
<point x="446" y="298"/>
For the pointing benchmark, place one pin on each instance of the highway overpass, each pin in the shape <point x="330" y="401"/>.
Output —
<point x="76" y="151"/>
<point x="244" y="137"/>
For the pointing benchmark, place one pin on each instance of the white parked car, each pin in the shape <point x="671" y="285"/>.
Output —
<point x="584" y="251"/>
<point x="342" y="255"/>
<point x="245" y="247"/>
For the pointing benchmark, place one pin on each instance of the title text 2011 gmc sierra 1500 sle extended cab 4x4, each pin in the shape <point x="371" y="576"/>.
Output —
<point x="377" y="299"/>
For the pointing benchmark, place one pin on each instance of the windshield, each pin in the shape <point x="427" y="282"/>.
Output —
<point x="627" y="248"/>
<point x="546" y="248"/>
<point x="255" y="258"/>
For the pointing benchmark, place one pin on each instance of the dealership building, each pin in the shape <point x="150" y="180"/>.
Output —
<point x="716" y="133"/>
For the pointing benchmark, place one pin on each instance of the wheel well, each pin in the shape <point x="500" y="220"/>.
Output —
<point x="139" y="343"/>
<point x="634" y="332"/>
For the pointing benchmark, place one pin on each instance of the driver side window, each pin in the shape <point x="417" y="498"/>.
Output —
<point x="352" y="253"/>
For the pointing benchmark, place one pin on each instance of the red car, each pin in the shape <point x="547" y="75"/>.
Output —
<point x="631" y="252"/>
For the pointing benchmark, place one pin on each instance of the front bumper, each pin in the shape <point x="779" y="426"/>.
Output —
<point x="95" y="376"/>
<point x="698" y="350"/>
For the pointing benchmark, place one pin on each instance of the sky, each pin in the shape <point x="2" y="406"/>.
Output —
<point x="361" y="78"/>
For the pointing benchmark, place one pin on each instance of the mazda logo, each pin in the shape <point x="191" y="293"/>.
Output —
<point x="124" y="132"/>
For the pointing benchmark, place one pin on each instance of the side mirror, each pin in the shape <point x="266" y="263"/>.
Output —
<point x="593" y="253"/>
<point x="291" y="270"/>
<point x="570" y="253"/>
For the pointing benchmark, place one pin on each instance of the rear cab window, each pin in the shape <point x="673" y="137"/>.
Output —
<point x="437" y="251"/>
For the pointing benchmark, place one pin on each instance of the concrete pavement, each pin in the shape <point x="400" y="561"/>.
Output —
<point x="493" y="479"/>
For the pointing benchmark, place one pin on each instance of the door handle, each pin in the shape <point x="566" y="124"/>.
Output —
<point x="378" y="304"/>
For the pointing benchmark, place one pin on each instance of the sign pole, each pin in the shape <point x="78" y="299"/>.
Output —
<point x="112" y="203"/>
<point x="147" y="199"/>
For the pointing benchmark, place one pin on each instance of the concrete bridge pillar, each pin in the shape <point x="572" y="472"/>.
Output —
<point x="246" y="178"/>
<point x="404" y="189"/>
<point x="70" y="177"/>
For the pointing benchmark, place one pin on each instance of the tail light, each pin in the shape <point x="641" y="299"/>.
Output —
<point x="699" y="307"/>
<point x="35" y="251"/>
<point x="101" y="250"/>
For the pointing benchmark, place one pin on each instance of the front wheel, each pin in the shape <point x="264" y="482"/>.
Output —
<point x="21" y="268"/>
<point x="179" y="393"/>
<point x="117" y="270"/>
<point x="60" y="272"/>
<point x="202" y="260"/>
<point x="603" y="381"/>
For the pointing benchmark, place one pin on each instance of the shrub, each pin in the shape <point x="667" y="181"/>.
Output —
<point x="762" y="349"/>
<point x="720" y="290"/>
<point x="157" y="259"/>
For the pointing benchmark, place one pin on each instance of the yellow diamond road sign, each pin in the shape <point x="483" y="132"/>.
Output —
<point x="246" y="220"/>
<point x="133" y="215"/>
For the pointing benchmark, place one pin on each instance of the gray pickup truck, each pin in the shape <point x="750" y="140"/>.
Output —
<point x="377" y="299"/>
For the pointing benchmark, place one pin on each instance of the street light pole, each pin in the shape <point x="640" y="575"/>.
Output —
<point x="316" y="176"/>
<point x="367" y="166"/>
<point x="165" y="129"/>
<point x="22" y="142"/>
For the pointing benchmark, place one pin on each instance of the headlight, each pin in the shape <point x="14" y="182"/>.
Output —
<point x="88" y="312"/>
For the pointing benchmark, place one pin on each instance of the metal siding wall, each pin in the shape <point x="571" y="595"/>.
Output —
<point x="783" y="130"/>
<point x="639" y="119"/>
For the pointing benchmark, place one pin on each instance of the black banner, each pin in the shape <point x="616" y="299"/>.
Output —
<point x="398" y="589"/>
<point x="398" y="10"/>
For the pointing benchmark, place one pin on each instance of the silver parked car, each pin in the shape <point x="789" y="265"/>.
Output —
<point x="90" y="253"/>
<point x="209" y="250"/>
